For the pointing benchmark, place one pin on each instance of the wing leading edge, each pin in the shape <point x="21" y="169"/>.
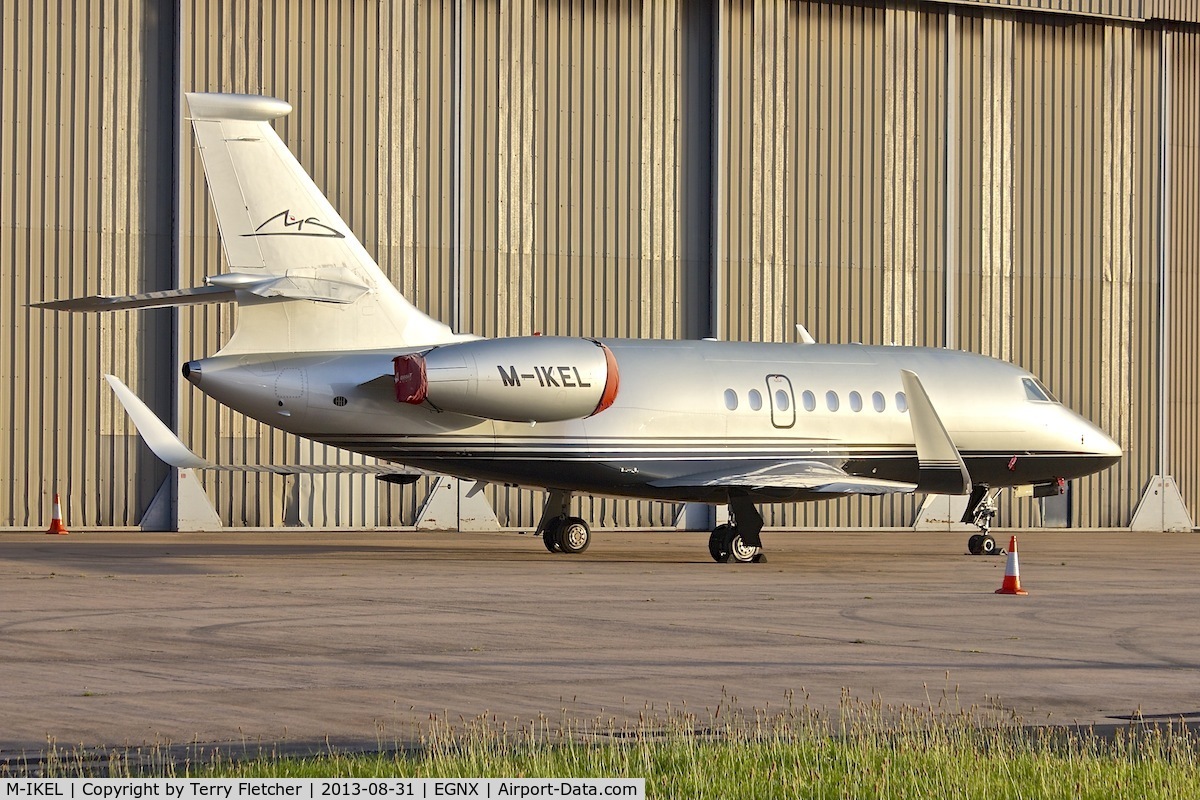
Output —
<point x="812" y="476"/>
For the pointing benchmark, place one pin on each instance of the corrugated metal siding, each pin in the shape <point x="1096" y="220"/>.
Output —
<point x="85" y="207"/>
<point x="833" y="170"/>
<point x="1058" y="244"/>
<point x="1116" y="9"/>
<point x="1183" y="410"/>
<point x="1131" y="10"/>
<point x="572" y="171"/>
<point x="1175" y="10"/>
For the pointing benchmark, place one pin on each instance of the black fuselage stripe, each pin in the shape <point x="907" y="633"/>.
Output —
<point x="574" y="450"/>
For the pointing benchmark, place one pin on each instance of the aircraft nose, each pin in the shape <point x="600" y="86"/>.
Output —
<point x="1109" y="448"/>
<point x="1094" y="441"/>
<point x="1086" y="448"/>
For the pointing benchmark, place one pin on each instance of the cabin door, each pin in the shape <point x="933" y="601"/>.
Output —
<point x="783" y="404"/>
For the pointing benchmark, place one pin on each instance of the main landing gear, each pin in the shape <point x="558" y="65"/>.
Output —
<point x="981" y="510"/>
<point x="562" y="533"/>
<point x="739" y="541"/>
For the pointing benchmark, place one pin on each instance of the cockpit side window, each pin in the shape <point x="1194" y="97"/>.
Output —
<point x="1036" y="392"/>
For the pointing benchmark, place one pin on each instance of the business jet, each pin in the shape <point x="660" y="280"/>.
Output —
<point x="328" y="349"/>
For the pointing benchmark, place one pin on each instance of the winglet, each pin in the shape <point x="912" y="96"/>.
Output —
<point x="942" y="470"/>
<point x="166" y="445"/>
<point x="157" y="435"/>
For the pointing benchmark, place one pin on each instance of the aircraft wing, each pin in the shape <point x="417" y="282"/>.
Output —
<point x="167" y="446"/>
<point x="811" y="476"/>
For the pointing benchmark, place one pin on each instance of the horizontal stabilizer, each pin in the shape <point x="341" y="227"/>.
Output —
<point x="167" y="446"/>
<point x="321" y="284"/>
<point x="812" y="476"/>
<point x="324" y="284"/>
<point x="164" y="299"/>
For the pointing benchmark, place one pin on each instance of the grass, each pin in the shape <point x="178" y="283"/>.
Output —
<point x="864" y="749"/>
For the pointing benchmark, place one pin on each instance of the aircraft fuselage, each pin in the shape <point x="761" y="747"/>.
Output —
<point x="683" y="408"/>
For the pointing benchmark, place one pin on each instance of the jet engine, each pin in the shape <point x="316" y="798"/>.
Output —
<point x="518" y="379"/>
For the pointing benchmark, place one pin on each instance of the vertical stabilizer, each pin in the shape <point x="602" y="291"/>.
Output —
<point x="319" y="289"/>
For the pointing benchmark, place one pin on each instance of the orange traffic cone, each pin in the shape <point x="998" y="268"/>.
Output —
<point x="1012" y="572"/>
<point x="56" y="522"/>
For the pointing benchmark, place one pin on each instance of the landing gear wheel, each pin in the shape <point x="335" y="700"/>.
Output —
<point x="741" y="552"/>
<point x="975" y="544"/>
<point x="718" y="546"/>
<point x="988" y="546"/>
<point x="574" y="535"/>
<point x="552" y="538"/>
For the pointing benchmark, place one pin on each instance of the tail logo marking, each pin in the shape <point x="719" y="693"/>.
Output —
<point x="295" y="226"/>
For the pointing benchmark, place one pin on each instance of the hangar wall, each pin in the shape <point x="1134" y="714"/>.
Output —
<point x="1182" y="303"/>
<point x="986" y="180"/>
<point x="86" y="158"/>
<point x="947" y="174"/>
<point x="572" y="175"/>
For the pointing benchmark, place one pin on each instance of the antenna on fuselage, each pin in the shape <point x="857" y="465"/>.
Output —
<point x="803" y="335"/>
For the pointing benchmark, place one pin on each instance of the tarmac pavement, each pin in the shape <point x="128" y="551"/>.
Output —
<point x="294" y="638"/>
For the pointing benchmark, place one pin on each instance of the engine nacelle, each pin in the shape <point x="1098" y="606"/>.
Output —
<point x="519" y="379"/>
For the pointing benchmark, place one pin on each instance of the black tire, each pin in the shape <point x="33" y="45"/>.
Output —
<point x="574" y="535"/>
<point x="975" y="544"/>
<point x="717" y="546"/>
<point x="988" y="546"/>
<point x="550" y="537"/>
<point x="739" y="551"/>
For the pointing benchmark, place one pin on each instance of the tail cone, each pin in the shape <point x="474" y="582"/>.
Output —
<point x="1012" y="572"/>
<point x="56" y="520"/>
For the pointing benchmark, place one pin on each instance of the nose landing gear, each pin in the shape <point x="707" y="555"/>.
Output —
<point x="981" y="510"/>
<point x="981" y="545"/>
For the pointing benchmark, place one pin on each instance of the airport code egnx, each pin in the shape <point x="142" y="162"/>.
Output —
<point x="317" y="788"/>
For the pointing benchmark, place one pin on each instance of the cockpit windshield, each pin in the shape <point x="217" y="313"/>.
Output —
<point x="1036" y="392"/>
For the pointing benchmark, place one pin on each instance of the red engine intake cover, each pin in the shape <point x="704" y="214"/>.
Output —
<point x="411" y="384"/>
